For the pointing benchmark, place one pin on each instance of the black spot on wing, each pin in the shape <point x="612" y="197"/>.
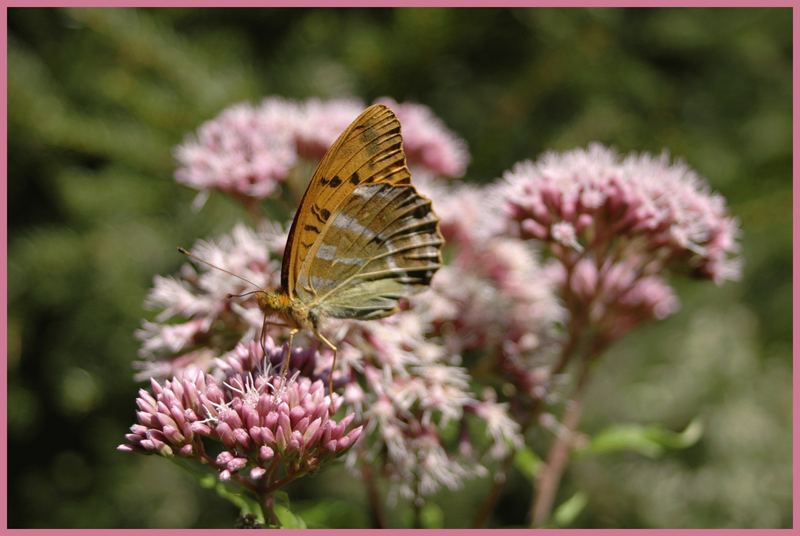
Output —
<point x="428" y="227"/>
<point x="410" y="200"/>
<point x="433" y="258"/>
<point x="310" y="228"/>
<point x="416" y="222"/>
<point x="421" y="211"/>
<point x="418" y="275"/>
<point x="335" y="181"/>
<point x="326" y="214"/>
<point x="316" y="213"/>
<point x="407" y="276"/>
<point x="354" y="178"/>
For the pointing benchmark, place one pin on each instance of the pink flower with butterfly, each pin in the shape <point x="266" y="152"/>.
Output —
<point x="545" y="271"/>
<point x="422" y="384"/>
<point x="265" y="429"/>
<point x="399" y="364"/>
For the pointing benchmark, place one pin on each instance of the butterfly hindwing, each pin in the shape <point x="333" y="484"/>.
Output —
<point x="359" y="244"/>
<point x="384" y="244"/>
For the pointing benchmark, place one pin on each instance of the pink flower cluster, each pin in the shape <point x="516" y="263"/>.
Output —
<point x="249" y="151"/>
<point x="614" y="298"/>
<point x="395" y="373"/>
<point x="196" y="322"/>
<point x="246" y="151"/>
<point x="615" y="227"/>
<point x="410" y="389"/>
<point x="268" y="427"/>
<point x="494" y="301"/>
<point x="610" y="227"/>
<point x="641" y="205"/>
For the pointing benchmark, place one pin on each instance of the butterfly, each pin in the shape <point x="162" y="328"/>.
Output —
<point x="362" y="239"/>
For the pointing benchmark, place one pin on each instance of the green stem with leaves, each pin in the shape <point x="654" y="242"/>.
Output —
<point x="267" y="502"/>
<point x="550" y="476"/>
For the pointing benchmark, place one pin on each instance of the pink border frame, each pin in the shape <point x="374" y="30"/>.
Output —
<point x="4" y="271"/>
<point x="402" y="3"/>
<point x="397" y="3"/>
<point x="795" y="264"/>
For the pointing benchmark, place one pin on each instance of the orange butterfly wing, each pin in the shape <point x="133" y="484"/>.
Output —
<point x="369" y="151"/>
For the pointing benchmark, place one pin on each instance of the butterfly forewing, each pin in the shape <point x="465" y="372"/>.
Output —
<point x="369" y="150"/>
<point x="363" y="236"/>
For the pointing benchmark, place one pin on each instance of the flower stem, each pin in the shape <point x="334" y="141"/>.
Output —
<point x="501" y="478"/>
<point x="550" y="476"/>
<point x="267" y="503"/>
<point x="498" y="483"/>
<point x="416" y="505"/>
<point x="376" y="513"/>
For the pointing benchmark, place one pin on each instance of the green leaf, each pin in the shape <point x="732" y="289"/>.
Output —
<point x="288" y="519"/>
<point x="624" y="437"/>
<point x="569" y="510"/>
<point x="281" y="497"/>
<point x="648" y="440"/>
<point x="246" y="504"/>
<point x="432" y="516"/>
<point x="331" y="513"/>
<point x="680" y="440"/>
<point x="282" y="509"/>
<point x="239" y="498"/>
<point x="528" y="463"/>
<point x="207" y="481"/>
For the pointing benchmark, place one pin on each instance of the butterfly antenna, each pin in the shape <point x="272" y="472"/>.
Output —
<point x="198" y="259"/>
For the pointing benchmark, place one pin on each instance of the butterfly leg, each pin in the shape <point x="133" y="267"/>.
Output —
<point x="330" y="345"/>
<point x="285" y="366"/>
<point x="263" y="337"/>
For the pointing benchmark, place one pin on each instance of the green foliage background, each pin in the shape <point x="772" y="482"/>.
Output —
<point x="97" y="99"/>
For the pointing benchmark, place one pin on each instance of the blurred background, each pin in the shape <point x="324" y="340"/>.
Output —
<point x="97" y="99"/>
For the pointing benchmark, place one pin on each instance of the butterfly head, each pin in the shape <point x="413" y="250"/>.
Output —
<point x="272" y="302"/>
